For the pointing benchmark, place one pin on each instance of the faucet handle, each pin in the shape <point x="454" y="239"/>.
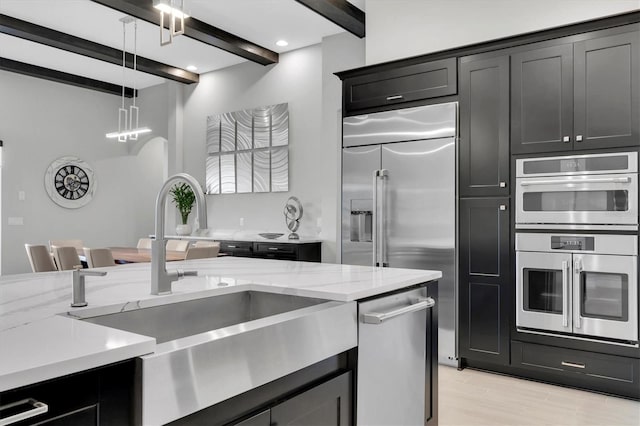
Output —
<point x="89" y="272"/>
<point x="182" y="274"/>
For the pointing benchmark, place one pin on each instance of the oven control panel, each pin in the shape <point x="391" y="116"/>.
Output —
<point x="572" y="242"/>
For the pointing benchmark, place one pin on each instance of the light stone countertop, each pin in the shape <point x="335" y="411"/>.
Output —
<point x="39" y="340"/>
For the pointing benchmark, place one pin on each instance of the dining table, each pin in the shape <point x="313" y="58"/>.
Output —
<point x="140" y="255"/>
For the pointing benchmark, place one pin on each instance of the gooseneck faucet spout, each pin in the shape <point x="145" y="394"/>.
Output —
<point x="160" y="278"/>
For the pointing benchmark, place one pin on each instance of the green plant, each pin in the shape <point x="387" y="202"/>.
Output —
<point x="183" y="198"/>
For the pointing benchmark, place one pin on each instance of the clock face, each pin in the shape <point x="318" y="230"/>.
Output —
<point x="70" y="182"/>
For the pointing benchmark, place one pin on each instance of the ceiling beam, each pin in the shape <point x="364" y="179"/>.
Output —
<point x="340" y="12"/>
<point x="63" y="77"/>
<point x="197" y="30"/>
<point x="38" y="34"/>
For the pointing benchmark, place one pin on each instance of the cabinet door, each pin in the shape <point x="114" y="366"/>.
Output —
<point x="484" y="295"/>
<point x="403" y="84"/>
<point x="484" y="127"/>
<point x="607" y="92"/>
<point x="262" y="419"/>
<point x="542" y="100"/>
<point x="328" y="404"/>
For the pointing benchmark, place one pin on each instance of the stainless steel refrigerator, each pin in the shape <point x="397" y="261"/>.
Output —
<point x="399" y="199"/>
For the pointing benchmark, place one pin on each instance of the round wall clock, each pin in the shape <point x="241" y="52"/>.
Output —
<point x="70" y="182"/>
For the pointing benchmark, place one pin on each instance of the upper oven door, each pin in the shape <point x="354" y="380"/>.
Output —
<point x="607" y="199"/>
<point x="605" y="292"/>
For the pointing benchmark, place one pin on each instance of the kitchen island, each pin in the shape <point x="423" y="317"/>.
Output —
<point x="41" y="340"/>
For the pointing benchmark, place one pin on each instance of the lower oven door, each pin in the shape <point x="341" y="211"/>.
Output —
<point x="543" y="291"/>
<point x="594" y="199"/>
<point x="605" y="292"/>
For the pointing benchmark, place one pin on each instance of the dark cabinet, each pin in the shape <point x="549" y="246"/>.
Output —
<point x="102" y="396"/>
<point x="484" y="126"/>
<point x="306" y="252"/>
<point x="583" y="95"/>
<point x="401" y="84"/>
<point x="484" y="289"/>
<point x="542" y="100"/>
<point x="607" y="92"/>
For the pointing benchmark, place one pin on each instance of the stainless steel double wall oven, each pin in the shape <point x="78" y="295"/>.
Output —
<point x="577" y="246"/>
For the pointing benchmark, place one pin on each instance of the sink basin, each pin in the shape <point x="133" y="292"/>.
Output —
<point x="213" y="348"/>
<point x="177" y="320"/>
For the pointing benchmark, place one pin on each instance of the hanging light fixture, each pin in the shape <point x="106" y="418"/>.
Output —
<point x="128" y="120"/>
<point x="176" y="12"/>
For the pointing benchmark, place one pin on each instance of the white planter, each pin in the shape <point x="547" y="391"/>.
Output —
<point x="183" y="229"/>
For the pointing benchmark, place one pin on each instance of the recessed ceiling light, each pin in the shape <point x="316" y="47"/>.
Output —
<point x="192" y="68"/>
<point x="282" y="43"/>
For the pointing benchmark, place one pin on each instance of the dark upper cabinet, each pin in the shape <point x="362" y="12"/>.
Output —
<point x="484" y="126"/>
<point x="402" y="84"/>
<point x="607" y="92"/>
<point x="542" y="100"/>
<point x="584" y="95"/>
<point x="484" y="289"/>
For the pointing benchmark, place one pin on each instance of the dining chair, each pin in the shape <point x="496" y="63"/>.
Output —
<point x="66" y="258"/>
<point x="206" y="244"/>
<point x="202" y="252"/>
<point x="99" y="257"/>
<point x="40" y="258"/>
<point x="77" y="244"/>
<point x="144" y="243"/>
<point x="177" y="245"/>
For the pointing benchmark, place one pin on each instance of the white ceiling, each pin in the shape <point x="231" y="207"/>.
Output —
<point x="262" y="22"/>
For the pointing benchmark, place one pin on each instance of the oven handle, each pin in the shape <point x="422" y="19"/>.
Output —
<point x="565" y="293"/>
<point x="577" y="270"/>
<point x="625" y="179"/>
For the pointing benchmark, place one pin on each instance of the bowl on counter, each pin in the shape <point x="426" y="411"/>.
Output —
<point x="271" y="235"/>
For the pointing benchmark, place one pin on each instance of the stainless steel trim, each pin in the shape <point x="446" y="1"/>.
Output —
<point x="40" y="408"/>
<point x="576" y="227"/>
<point x="632" y="164"/>
<point x="577" y="337"/>
<point x="384" y="256"/>
<point x="572" y="364"/>
<point x="565" y="293"/>
<point x="379" y="318"/>
<point x="566" y="181"/>
<point x="625" y="245"/>
<point x="374" y="226"/>
<point x="394" y="97"/>
<point x="577" y="269"/>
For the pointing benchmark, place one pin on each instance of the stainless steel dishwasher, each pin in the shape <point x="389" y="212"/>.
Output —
<point x="398" y="359"/>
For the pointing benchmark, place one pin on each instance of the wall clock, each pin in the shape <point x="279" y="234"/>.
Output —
<point x="70" y="182"/>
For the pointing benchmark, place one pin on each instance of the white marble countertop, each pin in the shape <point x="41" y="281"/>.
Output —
<point x="38" y="343"/>
<point x="243" y="235"/>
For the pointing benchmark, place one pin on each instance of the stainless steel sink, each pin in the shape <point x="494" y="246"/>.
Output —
<point x="213" y="348"/>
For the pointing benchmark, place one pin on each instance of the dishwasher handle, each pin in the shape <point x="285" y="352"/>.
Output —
<point x="379" y="318"/>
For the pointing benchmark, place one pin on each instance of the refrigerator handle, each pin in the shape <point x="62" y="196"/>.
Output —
<point x="382" y="237"/>
<point x="577" y="298"/>
<point x="374" y="219"/>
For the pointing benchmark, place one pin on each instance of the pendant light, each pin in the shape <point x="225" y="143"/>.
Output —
<point x="128" y="120"/>
<point x="175" y="10"/>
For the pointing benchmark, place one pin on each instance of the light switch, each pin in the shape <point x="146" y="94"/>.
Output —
<point x="16" y="221"/>
<point x="21" y="195"/>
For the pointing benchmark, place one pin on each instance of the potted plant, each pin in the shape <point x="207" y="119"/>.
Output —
<point x="183" y="198"/>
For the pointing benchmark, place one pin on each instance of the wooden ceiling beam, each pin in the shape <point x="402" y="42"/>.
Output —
<point x="341" y="13"/>
<point x="39" y="34"/>
<point x="197" y="30"/>
<point x="63" y="77"/>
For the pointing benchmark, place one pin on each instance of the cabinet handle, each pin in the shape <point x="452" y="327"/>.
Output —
<point x="394" y="97"/>
<point x="566" y="139"/>
<point x="503" y="184"/>
<point x="38" y="408"/>
<point x="579" y="138"/>
<point x="572" y="364"/>
<point x="379" y="318"/>
<point x="273" y="248"/>
<point x="503" y="207"/>
<point x="230" y="246"/>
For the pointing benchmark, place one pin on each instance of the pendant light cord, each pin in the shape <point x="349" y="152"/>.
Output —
<point x="135" y="58"/>
<point x="124" y="64"/>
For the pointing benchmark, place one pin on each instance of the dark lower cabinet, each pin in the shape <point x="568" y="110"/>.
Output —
<point x="102" y="396"/>
<point x="484" y="126"/>
<point x="305" y="252"/>
<point x="484" y="280"/>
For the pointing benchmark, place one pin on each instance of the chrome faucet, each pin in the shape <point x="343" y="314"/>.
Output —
<point x="160" y="278"/>
<point x="78" y="293"/>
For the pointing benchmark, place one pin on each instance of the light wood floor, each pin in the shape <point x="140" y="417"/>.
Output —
<point x="471" y="397"/>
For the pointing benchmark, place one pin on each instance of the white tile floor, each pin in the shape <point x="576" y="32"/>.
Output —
<point x="471" y="397"/>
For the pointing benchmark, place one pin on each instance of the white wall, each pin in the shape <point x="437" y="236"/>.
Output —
<point x="41" y="121"/>
<point x="403" y="28"/>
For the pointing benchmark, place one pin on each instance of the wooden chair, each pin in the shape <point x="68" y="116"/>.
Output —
<point x="202" y="252"/>
<point x="40" y="258"/>
<point x="66" y="258"/>
<point x="178" y="245"/>
<point x="144" y="243"/>
<point x="77" y="244"/>
<point x="99" y="257"/>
